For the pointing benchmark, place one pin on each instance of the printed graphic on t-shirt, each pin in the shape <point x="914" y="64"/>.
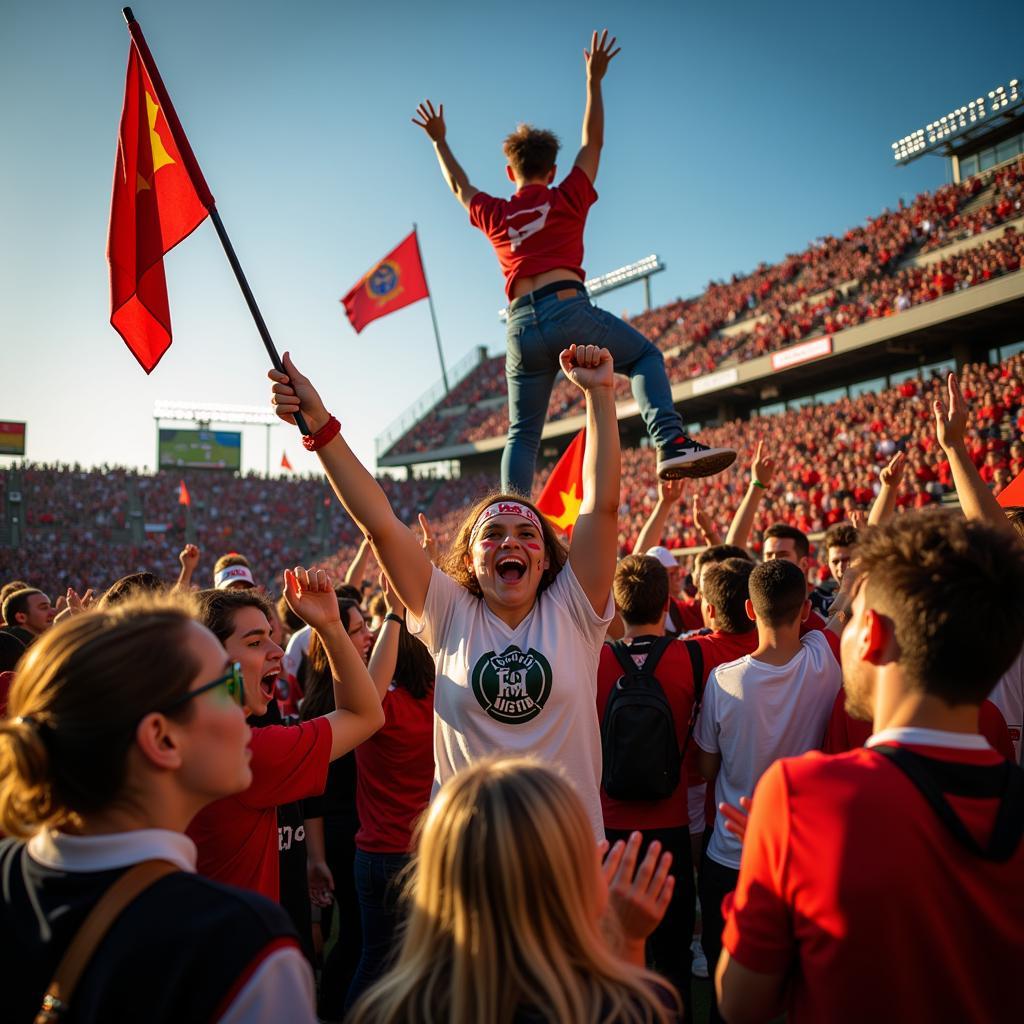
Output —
<point x="518" y="235"/>
<point x="512" y="687"/>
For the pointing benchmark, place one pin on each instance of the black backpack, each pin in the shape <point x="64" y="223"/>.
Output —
<point x="641" y="757"/>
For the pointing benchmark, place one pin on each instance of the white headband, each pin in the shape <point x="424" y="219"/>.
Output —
<point x="230" y="574"/>
<point x="505" y="508"/>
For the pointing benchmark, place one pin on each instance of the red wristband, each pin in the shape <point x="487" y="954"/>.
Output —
<point x="327" y="433"/>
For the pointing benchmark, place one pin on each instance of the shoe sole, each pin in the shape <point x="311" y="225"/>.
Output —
<point x="696" y="468"/>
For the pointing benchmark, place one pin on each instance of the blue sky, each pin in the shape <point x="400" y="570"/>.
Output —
<point x="734" y="135"/>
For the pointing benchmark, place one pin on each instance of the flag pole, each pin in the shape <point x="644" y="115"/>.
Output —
<point x="205" y="196"/>
<point x="433" y="315"/>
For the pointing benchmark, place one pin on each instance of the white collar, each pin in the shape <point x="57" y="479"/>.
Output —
<point x="66" y="852"/>
<point x="912" y="734"/>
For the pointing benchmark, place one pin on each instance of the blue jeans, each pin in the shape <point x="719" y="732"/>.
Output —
<point x="378" y="892"/>
<point x="535" y="335"/>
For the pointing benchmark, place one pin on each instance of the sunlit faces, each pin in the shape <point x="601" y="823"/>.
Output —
<point x="784" y="548"/>
<point x="38" y="615"/>
<point x="359" y="633"/>
<point x="839" y="558"/>
<point x="213" y="733"/>
<point x="251" y="645"/>
<point x="858" y="677"/>
<point x="508" y="559"/>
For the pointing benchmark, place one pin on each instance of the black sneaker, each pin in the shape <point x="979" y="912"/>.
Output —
<point x="686" y="458"/>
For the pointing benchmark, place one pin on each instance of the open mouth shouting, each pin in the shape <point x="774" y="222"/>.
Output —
<point x="268" y="685"/>
<point x="510" y="569"/>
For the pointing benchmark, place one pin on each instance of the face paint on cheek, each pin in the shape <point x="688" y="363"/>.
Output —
<point x="532" y="546"/>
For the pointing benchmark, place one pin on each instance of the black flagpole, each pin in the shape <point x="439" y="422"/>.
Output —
<point x="229" y="250"/>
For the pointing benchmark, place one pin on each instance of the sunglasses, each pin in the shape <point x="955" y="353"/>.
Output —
<point x="231" y="680"/>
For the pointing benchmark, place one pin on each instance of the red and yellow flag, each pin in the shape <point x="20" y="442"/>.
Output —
<point x="159" y="198"/>
<point x="397" y="281"/>
<point x="562" y="496"/>
<point x="1012" y="495"/>
<point x="184" y="498"/>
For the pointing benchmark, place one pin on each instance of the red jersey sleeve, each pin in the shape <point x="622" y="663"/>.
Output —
<point x="758" y="928"/>
<point x="578" y="191"/>
<point x="992" y="726"/>
<point x="487" y="213"/>
<point x="289" y="762"/>
<point x="832" y="640"/>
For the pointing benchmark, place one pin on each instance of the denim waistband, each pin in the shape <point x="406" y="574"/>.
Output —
<point x="530" y="298"/>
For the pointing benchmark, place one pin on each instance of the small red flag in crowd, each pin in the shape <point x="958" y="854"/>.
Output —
<point x="1012" y="494"/>
<point x="184" y="498"/>
<point x="562" y="496"/>
<point x="397" y="281"/>
<point x="285" y="464"/>
<point x="159" y="198"/>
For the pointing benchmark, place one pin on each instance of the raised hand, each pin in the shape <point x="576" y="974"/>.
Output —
<point x="292" y="393"/>
<point x="701" y="519"/>
<point x="762" y="469"/>
<point x="73" y="604"/>
<point x="598" y="57"/>
<point x="670" y="491"/>
<point x="951" y="423"/>
<point x="189" y="558"/>
<point x="891" y="475"/>
<point x="392" y="602"/>
<point x="427" y="540"/>
<point x="858" y="520"/>
<point x="638" y="896"/>
<point x="310" y="594"/>
<point x="588" y="366"/>
<point x="431" y="120"/>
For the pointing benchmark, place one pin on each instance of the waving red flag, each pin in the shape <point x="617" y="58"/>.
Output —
<point x="184" y="498"/>
<point x="159" y="198"/>
<point x="562" y="496"/>
<point x="285" y="463"/>
<point x="397" y="281"/>
<point x="1012" y="494"/>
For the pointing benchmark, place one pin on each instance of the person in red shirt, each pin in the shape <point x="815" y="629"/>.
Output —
<point x="641" y="595"/>
<point x="538" y="238"/>
<point x="802" y="931"/>
<point x="237" y="836"/>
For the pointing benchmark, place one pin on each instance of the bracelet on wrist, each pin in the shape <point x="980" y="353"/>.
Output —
<point x="757" y="483"/>
<point x="393" y="617"/>
<point x="327" y="433"/>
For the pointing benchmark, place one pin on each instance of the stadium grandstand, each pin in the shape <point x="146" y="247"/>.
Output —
<point x="836" y="351"/>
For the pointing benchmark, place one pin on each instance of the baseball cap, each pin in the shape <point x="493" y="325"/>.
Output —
<point x="233" y="574"/>
<point x="663" y="555"/>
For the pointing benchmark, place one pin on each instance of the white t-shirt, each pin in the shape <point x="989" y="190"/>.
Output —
<point x="528" y="690"/>
<point x="297" y="649"/>
<point x="1008" y="696"/>
<point x="754" y="713"/>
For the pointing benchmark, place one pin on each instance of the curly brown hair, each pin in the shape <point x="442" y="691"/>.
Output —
<point x="531" y="152"/>
<point x="453" y="563"/>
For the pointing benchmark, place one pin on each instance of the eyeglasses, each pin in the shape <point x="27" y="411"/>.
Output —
<point x="232" y="680"/>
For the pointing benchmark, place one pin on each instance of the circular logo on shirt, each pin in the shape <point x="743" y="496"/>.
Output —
<point x="512" y="687"/>
<point x="383" y="281"/>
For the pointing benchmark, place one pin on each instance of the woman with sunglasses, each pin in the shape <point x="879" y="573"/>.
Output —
<point x="237" y="836"/>
<point x="124" y="723"/>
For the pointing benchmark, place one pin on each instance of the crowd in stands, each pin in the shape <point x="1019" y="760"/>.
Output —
<point x="836" y="283"/>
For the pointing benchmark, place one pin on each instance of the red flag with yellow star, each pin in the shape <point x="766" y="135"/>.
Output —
<point x="562" y="496"/>
<point x="1012" y="494"/>
<point x="160" y="197"/>
<point x="397" y="281"/>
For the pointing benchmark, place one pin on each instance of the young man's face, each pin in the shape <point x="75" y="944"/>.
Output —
<point x="38" y="615"/>
<point x="251" y="645"/>
<point x="858" y="672"/>
<point x="839" y="558"/>
<point x="784" y="548"/>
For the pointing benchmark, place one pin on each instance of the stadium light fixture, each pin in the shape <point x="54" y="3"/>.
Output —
<point x="213" y="412"/>
<point x="936" y="132"/>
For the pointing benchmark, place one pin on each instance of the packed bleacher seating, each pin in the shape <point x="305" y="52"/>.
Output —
<point x="837" y="282"/>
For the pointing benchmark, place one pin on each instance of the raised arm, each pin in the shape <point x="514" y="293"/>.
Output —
<point x="358" y="714"/>
<point x="890" y="477"/>
<point x="669" y="492"/>
<point x="189" y="559"/>
<point x="594" y="538"/>
<point x="762" y="469"/>
<point x="705" y="524"/>
<point x="400" y="554"/>
<point x="385" y="649"/>
<point x="432" y="122"/>
<point x="596" y="59"/>
<point x="357" y="570"/>
<point x="976" y="499"/>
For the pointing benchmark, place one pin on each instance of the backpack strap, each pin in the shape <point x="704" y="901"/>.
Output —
<point x="1004" y="781"/>
<point x="135" y="881"/>
<point x="697" y="667"/>
<point x="629" y="667"/>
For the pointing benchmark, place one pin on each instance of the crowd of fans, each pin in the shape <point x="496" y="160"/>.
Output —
<point x="836" y="283"/>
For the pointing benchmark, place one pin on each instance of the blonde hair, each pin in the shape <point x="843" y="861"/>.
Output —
<point x="75" y="703"/>
<point x="500" y="903"/>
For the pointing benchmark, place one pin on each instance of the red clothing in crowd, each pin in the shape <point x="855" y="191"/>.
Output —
<point x="538" y="229"/>
<point x="847" y="733"/>
<point x="853" y="887"/>
<point x="237" y="836"/>
<point x="688" y="613"/>
<point x="394" y="773"/>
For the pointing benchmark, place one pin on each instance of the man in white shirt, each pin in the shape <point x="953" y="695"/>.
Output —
<point x="773" y="703"/>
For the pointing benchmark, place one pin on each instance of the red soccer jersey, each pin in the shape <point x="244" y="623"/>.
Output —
<point x="675" y="674"/>
<point x="847" y="733"/>
<point x="237" y="836"/>
<point x="688" y="613"/>
<point x="395" y="770"/>
<point x="854" y="888"/>
<point x="538" y="229"/>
